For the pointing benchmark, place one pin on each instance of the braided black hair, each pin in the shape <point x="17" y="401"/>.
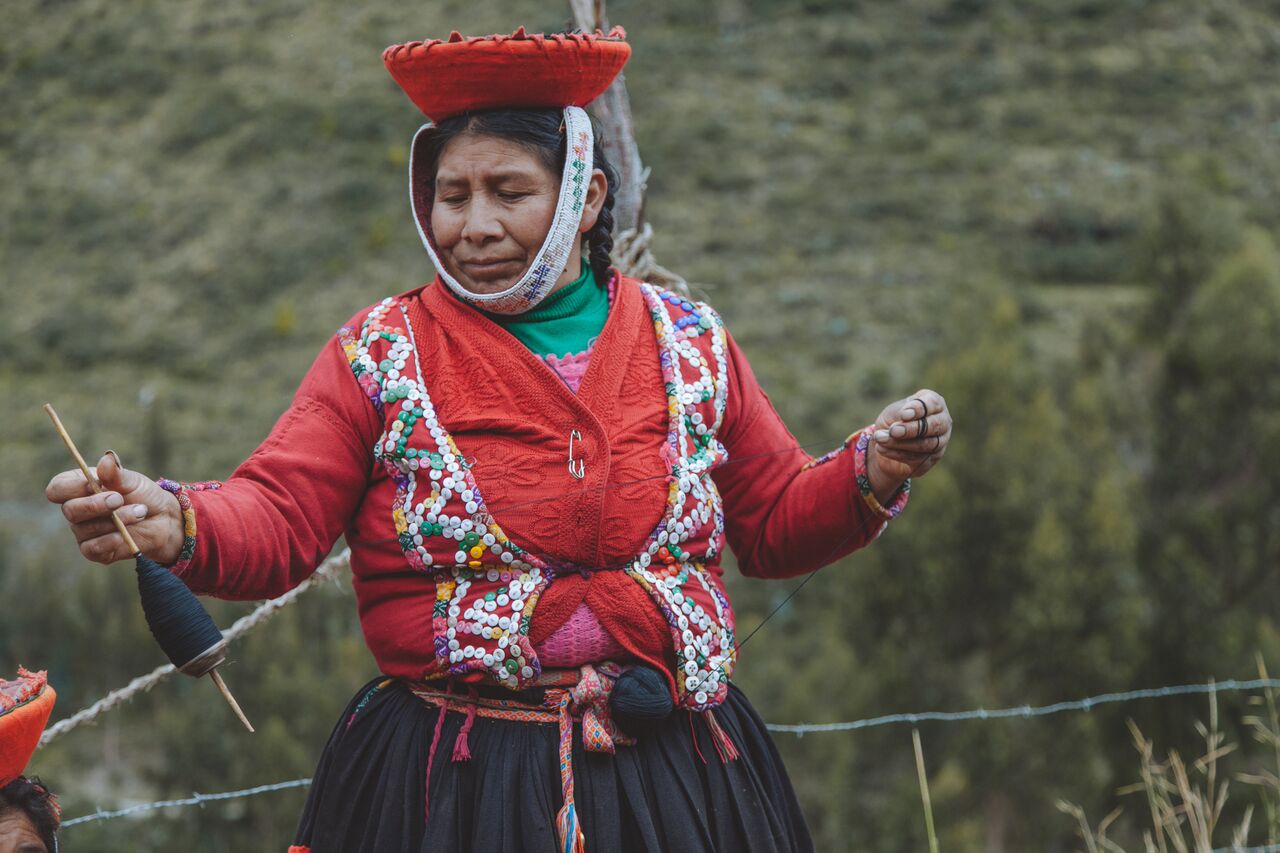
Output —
<point x="541" y="131"/>
<point x="30" y="797"/>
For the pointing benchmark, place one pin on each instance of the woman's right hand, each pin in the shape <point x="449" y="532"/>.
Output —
<point x="152" y="514"/>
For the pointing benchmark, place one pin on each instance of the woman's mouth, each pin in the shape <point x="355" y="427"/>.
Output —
<point x="489" y="269"/>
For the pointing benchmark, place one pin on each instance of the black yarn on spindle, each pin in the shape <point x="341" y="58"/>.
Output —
<point x="178" y="621"/>
<point x="640" y="700"/>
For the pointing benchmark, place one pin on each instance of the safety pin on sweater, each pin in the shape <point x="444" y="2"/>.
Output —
<point x="580" y="471"/>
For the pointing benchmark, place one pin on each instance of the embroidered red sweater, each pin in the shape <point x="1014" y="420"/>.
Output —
<point x="315" y="478"/>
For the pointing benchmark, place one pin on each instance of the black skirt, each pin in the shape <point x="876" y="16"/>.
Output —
<point x="669" y="792"/>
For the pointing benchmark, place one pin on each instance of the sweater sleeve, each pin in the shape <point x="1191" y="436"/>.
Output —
<point x="264" y="530"/>
<point x="787" y="513"/>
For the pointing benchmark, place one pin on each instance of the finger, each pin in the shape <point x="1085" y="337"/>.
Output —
<point x="913" y="430"/>
<point x="928" y="444"/>
<point x="93" y="506"/>
<point x="67" y="485"/>
<point x="904" y="457"/>
<point x="104" y="549"/>
<point x="114" y="476"/>
<point x="95" y="527"/>
<point x="923" y="402"/>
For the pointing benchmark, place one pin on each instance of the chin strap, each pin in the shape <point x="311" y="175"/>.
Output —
<point x="552" y="258"/>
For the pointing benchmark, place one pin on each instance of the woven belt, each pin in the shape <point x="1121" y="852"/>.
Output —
<point x="569" y="695"/>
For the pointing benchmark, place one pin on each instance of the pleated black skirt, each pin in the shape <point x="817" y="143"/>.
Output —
<point x="669" y="792"/>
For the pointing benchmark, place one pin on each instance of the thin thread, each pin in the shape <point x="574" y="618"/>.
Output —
<point x="269" y="608"/>
<point x="1028" y="711"/>
<point x="194" y="800"/>
<point x="240" y="627"/>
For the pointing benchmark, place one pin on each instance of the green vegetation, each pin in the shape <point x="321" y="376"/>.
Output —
<point x="1060" y="214"/>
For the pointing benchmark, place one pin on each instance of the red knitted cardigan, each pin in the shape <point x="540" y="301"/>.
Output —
<point x="314" y="479"/>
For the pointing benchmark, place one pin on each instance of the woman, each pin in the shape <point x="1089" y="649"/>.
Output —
<point x="537" y="463"/>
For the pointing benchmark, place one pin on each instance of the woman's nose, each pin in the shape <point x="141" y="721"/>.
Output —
<point x="481" y="223"/>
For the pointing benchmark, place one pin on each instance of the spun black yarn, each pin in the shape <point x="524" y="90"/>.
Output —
<point x="177" y="619"/>
<point x="640" y="700"/>
<point x="541" y="131"/>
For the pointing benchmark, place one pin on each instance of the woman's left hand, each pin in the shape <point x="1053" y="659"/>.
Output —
<point x="911" y="435"/>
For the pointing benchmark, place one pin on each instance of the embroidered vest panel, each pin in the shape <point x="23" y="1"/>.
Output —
<point x="487" y="586"/>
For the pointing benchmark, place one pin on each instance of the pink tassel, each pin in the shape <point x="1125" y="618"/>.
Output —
<point x="462" y="746"/>
<point x="724" y="745"/>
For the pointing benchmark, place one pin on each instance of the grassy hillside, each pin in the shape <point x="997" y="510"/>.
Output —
<point x="195" y="196"/>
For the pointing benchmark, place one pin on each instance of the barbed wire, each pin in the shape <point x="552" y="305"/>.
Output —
<point x="1086" y="704"/>
<point x="195" y="799"/>
<point x="328" y="569"/>
<point x="1027" y="711"/>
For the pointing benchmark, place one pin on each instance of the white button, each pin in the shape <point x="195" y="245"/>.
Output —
<point x="700" y="697"/>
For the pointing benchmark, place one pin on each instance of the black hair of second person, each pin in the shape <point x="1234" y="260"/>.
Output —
<point x="541" y="131"/>
<point x="31" y="797"/>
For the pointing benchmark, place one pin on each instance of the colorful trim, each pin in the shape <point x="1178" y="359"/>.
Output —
<point x="586" y="701"/>
<point x="487" y="587"/>
<point x="862" y="441"/>
<point x="26" y="687"/>
<point x="181" y="492"/>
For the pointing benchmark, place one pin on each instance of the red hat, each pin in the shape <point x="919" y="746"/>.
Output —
<point x="458" y="75"/>
<point x="25" y="705"/>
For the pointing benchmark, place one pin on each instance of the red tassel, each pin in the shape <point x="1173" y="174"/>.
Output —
<point x="462" y="746"/>
<point x="724" y="745"/>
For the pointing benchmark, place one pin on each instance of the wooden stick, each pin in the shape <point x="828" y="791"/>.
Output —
<point x="133" y="546"/>
<point x="88" y="475"/>
<point x="231" y="700"/>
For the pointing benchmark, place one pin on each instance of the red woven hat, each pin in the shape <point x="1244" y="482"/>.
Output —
<point x="458" y="75"/>
<point x="25" y="705"/>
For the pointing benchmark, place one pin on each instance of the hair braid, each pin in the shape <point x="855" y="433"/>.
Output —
<point x="600" y="238"/>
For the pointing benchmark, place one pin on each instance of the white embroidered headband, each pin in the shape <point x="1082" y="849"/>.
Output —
<point x="551" y="260"/>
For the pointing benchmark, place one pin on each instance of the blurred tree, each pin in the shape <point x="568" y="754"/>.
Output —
<point x="1211" y="529"/>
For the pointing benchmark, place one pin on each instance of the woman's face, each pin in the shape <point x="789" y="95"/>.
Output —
<point x="18" y="834"/>
<point x="494" y="202"/>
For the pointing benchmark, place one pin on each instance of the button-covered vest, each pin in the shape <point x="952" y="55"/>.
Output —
<point x="487" y="586"/>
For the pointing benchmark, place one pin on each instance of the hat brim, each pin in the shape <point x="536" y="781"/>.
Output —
<point x="450" y="77"/>
<point x="22" y="724"/>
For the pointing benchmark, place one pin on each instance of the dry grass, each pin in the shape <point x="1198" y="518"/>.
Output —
<point x="1185" y="800"/>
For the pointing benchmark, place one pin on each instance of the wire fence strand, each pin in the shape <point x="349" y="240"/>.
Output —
<point x="1024" y="711"/>
<point x="195" y="799"/>
<point x="1028" y="711"/>
<point x="327" y="570"/>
